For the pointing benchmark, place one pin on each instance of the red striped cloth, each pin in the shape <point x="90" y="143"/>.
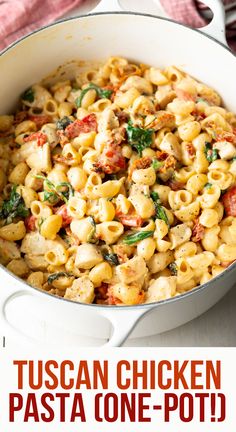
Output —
<point x="19" y="17"/>
<point x="196" y="14"/>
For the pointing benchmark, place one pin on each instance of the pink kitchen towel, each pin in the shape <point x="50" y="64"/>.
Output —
<point x="196" y="14"/>
<point x="19" y="17"/>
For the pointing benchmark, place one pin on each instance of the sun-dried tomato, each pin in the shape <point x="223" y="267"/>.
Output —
<point x="63" y="212"/>
<point x="190" y="149"/>
<point x="111" y="160"/>
<point x="87" y="124"/>
<point x="40" y="120"/>
<point x="30" y="223"/>
<point x="130" y="220"/>
<point x="229" y="202"/>
<point x="40" y="138"/>
<point x="197" y="232"/>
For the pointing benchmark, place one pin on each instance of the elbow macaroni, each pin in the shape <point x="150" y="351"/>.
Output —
<point x="117" y="186"/>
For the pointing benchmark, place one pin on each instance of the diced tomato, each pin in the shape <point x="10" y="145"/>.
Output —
<point x="184" y="95"/>
<point x="168" y="160"/>
<point x="40" y="137"/>
<point x="40" y="120"/>
<point x="226" y="136"/>
<point x="141" y="163"/>
<point x="190" y="149"/>
<point x="62" y="137"/>
<point x="162" y="119"/>
<point x="63" y="212"/>
<point x="199" y="115"/>
<point x="87" y="124"/>
<point x="30" y="223"/>
<point x="197" y="232"/>
<point x="162" y="155"/>
<point x="130" y="220"/>
<point x="229" y="202"/>
<point x="111" y="160"/>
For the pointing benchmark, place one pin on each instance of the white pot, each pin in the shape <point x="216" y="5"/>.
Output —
<point x="143" y="38"/>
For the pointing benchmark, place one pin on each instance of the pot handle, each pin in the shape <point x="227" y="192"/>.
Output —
<point x="123" y="322"/>
<point x="216" y="28"/>
<point x="108" y="6"/>
<point x="7" y="329"/>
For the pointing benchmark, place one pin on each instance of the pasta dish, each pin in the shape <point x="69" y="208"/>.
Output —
<point x="118" y="187"/>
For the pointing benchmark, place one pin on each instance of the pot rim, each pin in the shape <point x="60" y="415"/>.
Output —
<point x="147" y="15"/>
<point x="146" y="306"/>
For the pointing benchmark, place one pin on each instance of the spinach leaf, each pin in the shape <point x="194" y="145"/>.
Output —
<point x="51" y="197"/>
<point x="28" y="95"/>
<point x="139" y="138"/>
<point x="136" y="237"/>
<point x="54" y="276"/>
<point x="91" y="238"/>
<point x="155" y="197"/>
<point x="101" y="93"/>
<point x="210" y="153"/>
<point x="14" y="207"/>
<point x="55" y="191"/>
<point x="159" y="210"/>
<point x="63" y="123"/>
<point x="68" y="193"/>
<point x="111" y="258"/>
<point x="161" y="214"/>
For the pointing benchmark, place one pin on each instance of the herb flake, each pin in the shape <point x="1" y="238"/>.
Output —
<point x="54" y="276"/>
<point x="111" y="258"/>
<point x="14" y="207"/>
<point x="63" y="123"/>
<point x="28" y="95"/>
<point x="136" y="237"/>
<point x="208" y="185"/>
<point x="173" y="268"/>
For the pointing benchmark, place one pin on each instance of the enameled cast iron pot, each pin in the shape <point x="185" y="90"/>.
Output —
<point x="142" y="38"/>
